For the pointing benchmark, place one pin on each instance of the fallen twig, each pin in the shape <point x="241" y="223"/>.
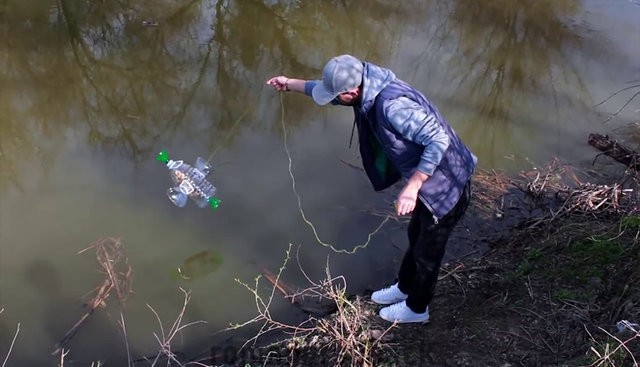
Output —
<point x="112" y="260"/>
<point x="13" y="341"/>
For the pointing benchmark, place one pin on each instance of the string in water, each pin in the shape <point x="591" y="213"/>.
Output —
<point x="304" y="217"/>
<point x="233" y="127"/>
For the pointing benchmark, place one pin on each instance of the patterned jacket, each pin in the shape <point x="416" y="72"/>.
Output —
<point x="400" y="131"/>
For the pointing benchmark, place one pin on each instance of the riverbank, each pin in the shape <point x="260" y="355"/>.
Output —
<point x="558" y="286"/>
<point x="561" y="277"/>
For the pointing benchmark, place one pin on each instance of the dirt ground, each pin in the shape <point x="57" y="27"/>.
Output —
<point x="563" y="267"/>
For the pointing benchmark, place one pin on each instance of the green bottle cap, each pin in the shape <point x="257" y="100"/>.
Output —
<point x="214" y="203"/>
<point x="163" y="156"/>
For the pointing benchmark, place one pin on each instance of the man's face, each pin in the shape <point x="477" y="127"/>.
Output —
<point x="350" y="97"/>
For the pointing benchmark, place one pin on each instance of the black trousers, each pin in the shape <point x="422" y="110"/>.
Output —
<point x="427" y="242"/>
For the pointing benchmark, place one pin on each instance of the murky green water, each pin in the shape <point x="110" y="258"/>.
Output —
<point x="90" y="91"/>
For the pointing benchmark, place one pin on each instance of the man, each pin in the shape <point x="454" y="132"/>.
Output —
<point x="401" y="135"/>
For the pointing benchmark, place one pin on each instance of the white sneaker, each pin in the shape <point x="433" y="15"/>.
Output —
<point x="400" y="313"/>
<point x="388" y="296"/>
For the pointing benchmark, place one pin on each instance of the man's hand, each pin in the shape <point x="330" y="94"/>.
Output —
<point x="408" y="197"/>
<point x="280" y="83"/>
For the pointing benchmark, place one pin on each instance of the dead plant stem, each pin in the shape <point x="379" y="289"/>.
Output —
<point x="13" y="341"/>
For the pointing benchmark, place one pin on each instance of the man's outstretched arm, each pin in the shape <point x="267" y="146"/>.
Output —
<point x="283" y="84"/>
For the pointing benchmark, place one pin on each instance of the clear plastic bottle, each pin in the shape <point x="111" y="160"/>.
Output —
<point x="190" y="182"/>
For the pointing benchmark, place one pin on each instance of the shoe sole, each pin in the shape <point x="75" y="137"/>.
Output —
<point x="390" y="302"/>
<point x="407" y="321"/>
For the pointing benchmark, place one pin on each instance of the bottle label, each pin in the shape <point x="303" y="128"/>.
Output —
<point x="197" y="175"/>
<point x="186" y="187"/>
<point x="174" y="164"/>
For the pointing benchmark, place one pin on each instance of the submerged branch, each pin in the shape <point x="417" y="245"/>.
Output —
<point x="616" y="151"/>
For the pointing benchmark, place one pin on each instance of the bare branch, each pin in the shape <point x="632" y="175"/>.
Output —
<point x="15" y="336"/>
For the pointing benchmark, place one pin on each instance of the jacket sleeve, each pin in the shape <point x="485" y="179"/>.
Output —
<point x="308" y="86"/>
<point x="420" y="126"/>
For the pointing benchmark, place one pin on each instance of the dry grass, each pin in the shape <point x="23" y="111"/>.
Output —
<point x="347" y="335"/>
<point x="165" y="337"/>
<point x="616" y="350"/>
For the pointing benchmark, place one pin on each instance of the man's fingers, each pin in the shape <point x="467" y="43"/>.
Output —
<point x="273" y="82"/>
<point x="276" y="83"/>
<point x="404" y="208"/>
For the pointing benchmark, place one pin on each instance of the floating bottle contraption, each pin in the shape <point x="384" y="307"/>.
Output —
<point x="190" y="182"/>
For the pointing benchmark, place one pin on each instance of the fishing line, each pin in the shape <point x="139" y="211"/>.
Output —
<point x="304" y="217"/>
<point x="233" y="127"/>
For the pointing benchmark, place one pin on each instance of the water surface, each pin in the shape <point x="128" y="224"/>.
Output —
<point x="89" y="93"/>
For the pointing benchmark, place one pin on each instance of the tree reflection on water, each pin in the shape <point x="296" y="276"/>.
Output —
<point x="516" y="48"/>
<point x="126" y="75"/>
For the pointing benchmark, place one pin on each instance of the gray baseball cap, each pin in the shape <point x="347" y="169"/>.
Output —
<point x="341" y="74"/>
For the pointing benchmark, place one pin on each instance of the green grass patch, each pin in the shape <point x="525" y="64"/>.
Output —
<point x="533" y="258"/>
<point x="597" y="250"/>
<point x="631" y="222"/>
<point x="593" y="257"/>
